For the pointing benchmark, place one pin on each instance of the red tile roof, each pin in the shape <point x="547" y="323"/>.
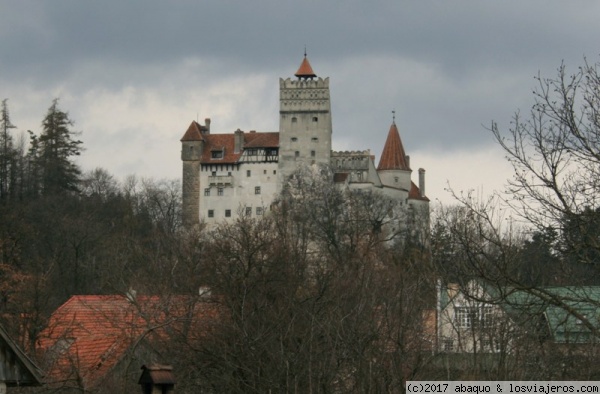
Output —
<point x="226" y="143"/>
<point x="261" y="140"/>
<point x="415" y="193"/>
<point x="88" y="335"/>
<point x="393" y="156"/>
<point x="305" y="70"/>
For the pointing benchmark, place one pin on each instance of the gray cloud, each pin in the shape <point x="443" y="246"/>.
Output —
<point x="447" y="68"/>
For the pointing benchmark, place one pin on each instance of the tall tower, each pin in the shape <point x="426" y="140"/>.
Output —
<point x="192" y="145"/>
<point x="304" y="120"/>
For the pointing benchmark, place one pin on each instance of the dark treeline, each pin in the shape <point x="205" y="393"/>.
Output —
<point x="66" y="232"/>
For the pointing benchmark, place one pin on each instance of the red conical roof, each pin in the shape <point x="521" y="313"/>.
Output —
<point x="393" y="156"/>
<point x="305" y="70"/>
<point x="193" y="133"/>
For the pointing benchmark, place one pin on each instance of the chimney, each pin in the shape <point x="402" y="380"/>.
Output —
<point x="238" y="141"/>
<point x="422" y="182"/>
<point x="157" y="379"/>
<point x="407" y="157"/>
<point x="207" y="123"/>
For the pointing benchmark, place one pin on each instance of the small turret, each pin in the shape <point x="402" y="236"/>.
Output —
<point x="305" y="71"/>
<point x="394" y="165"/>
<point x="192" y="142"/>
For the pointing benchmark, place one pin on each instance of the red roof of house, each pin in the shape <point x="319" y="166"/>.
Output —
<point x="393" y="156"/>
<point x="89" y="334"/>
<point x="305" y="70"/>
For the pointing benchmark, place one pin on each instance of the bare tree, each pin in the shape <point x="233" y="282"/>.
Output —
<point x="542" y="230"/>
<point x="318" y="298"/>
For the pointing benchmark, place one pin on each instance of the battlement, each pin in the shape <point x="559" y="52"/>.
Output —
<point x="351" y="153"/>
<point x="351" y="160"/>
<point x="304" y="95"/>
<point x="318" y="83"/>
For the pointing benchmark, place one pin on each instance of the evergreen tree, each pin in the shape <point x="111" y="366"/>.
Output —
<point x="7" y="152"/>
<point x="56" y="147"/>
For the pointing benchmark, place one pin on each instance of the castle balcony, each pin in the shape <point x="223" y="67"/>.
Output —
<point x="224" y="180"/>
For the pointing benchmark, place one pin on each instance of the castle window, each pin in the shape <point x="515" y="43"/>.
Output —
<point x="259" y="211"/>
<point x="265" y="172"/>
<point x="315" y="119"/>
<point x="314" y="139"/>
<point x="294" y="119"/>
<point x="229" y="173"/>
<point x="248" y="211"/>
<point x="211" y="213"/>
<point x="274" y="172"/>
<point x="297" y="154"/>
<point x="248" y="173"/>
<point x="294" y="139"/>
<point x="396" y="179"/>
<point x="214" y="173"/>
<point x="207" y="192"/>
<point x="257" y="190"/>
<point x="220" y="191"/>
<point x="228" y="213"/>
<point x="312" y="153"/>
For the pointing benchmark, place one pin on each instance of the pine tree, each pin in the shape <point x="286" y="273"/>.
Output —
<point x="56" y="147"/>
<point x="7" y="152"/>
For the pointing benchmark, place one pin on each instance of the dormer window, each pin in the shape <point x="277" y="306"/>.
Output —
<point x="216" y="154"/>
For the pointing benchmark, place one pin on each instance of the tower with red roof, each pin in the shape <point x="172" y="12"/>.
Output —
<point x="305" y="126"/>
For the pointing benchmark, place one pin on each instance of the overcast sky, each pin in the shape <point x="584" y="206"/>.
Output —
<point x="134" y="74"/>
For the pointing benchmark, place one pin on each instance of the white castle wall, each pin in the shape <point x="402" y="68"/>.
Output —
<point x="238" y="189"/>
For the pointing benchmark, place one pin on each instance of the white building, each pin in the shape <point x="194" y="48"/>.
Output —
<point x="225" y="175"/>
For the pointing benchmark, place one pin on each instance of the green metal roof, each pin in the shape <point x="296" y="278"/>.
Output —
<point x="572" y="313"/>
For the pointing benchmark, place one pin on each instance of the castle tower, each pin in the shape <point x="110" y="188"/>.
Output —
<point x="304" y="120"/>
<point x="192" y="145"/>
<point x="394" y="165"/>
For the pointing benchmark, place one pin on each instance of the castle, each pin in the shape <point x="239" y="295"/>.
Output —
<point x="225" y="175"/>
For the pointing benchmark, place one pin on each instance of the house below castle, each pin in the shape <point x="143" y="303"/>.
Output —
<point x="241" y="173"/>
